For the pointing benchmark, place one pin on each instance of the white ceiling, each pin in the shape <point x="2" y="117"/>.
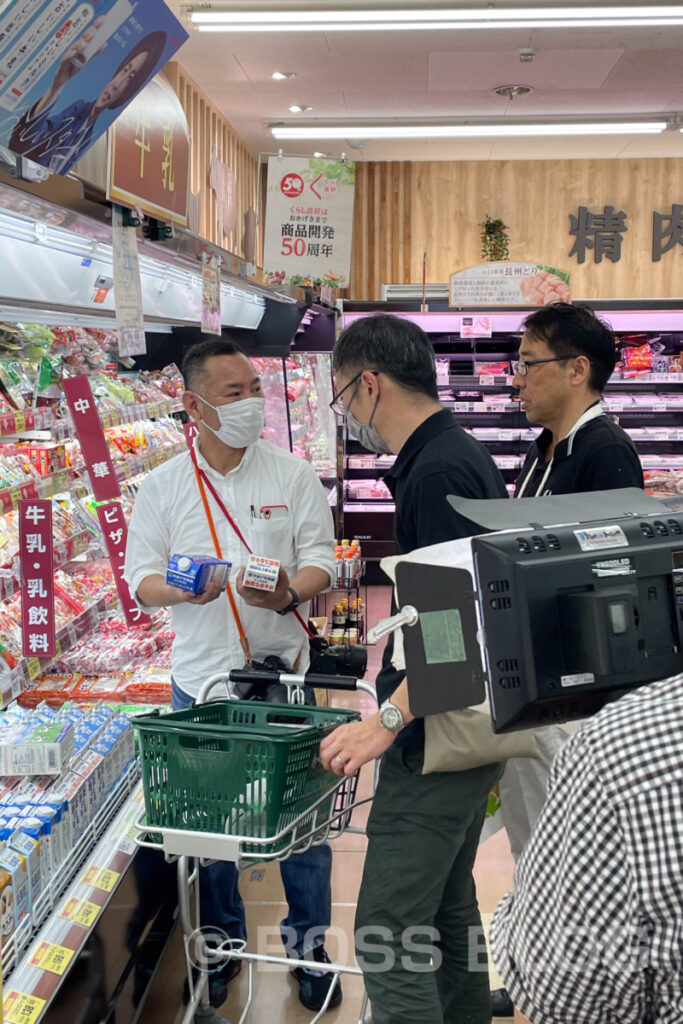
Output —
<point x="444" y="74"/>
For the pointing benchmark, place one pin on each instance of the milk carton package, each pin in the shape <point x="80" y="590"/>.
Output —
<point x="39" y="830"/>
<point x="73" y="788"/>
<point x="29" y="848"/>
<point x="51" y="818"/>
<point x="194" y="572"/>
<point x="51" y="798"/>
<point x="105" y="746"/>
<point x="8" y="919"/>
<point x="15" y="866"/>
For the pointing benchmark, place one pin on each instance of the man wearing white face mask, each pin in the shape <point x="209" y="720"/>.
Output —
<point x="252" y="495"/>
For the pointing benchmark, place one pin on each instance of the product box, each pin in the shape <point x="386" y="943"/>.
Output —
<point x="15" y="866"/>
<point x="40" y="831"/>
<point x="47" y="458"/>
<point x="30" y="850"/>
<point x="41" y="750"/>
<point x="7" y="913"/>
<point x="195" y="572"/>
<point x="261" y="573"/>
<point x="73" y="789"/>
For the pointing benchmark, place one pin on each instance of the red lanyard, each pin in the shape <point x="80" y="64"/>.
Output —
<point x="202" y="479"/>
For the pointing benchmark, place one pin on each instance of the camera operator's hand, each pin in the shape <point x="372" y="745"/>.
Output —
<point x="351" y="746"/>
<point x="274" y="600"/>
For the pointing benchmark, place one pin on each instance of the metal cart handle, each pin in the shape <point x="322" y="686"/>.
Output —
<point x="289" y="679"/>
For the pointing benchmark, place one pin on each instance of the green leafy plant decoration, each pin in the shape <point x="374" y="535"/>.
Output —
<point x="344" y="173"/>
<point x="495" y="244"/>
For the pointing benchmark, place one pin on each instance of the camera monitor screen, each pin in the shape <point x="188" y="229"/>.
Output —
<point x="576" y="615"/>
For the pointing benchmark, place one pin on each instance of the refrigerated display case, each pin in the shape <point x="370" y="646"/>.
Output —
<point x="644" y="395"/>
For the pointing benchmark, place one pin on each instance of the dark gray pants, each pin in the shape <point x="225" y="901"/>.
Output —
<point x="418" y="928"/>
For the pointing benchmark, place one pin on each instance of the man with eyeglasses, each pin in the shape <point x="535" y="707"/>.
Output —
<point x="417" y="909"/>
<point x="566" y="357"/>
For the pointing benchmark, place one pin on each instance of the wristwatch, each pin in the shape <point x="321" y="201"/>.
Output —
<point x="391" y="717"/>
<point x="294" y="603"/>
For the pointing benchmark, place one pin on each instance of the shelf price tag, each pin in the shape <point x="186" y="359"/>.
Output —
<point x="49" y="957"/>
<point x="101" y="878"/>
<point x="80" y="911"/>
<point x="21" y="1008"/>
<point x="34" y="668"/>
<point x="659" y="406"/>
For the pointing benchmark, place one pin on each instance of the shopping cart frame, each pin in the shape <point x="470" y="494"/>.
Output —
<point x="184" y="846"/>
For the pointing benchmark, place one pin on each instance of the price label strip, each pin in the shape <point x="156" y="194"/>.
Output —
<point x="49" y="957"/>
<point x="80" y="911"/>
<point x="101" y="878"/>
<point x="21" y="1008"/>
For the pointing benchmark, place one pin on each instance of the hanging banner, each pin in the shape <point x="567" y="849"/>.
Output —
<point x="309" y="221"/>
<point x="115" y="533"/>
<point x="211" y="294"/>
<point x="69" y="67"/>
<point x="130" y="322"/>
<point x="223" y="183"/>
<point x="37" y="579"/>
<point x="149" y="155"/>
<point x="93" y="443"/>
<point x="509" y="284"/>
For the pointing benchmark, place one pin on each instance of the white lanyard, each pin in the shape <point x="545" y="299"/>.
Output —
<point x="590" y="414"/>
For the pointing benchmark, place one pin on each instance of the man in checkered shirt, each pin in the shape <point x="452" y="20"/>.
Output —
<point x="593" y="931"/>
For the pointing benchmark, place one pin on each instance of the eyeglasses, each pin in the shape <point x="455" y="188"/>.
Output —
<point x="520" y="367"/>
<point x="336" y="405"/>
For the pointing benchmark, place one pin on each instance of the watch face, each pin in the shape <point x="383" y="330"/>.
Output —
<point x="391" y="718"/>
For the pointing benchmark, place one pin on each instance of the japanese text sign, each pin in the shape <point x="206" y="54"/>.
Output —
<point x="309" y="221"/>
<point x="37" y="578"/>
<point x="149" y="154"/>
<point x="115" y="533"/>
<point x="211" y="295"/>
<point x="68" y="68"/>
<point x="91" y="436"/>
<point x="127" y="287"/>
<point x="508" y="284"/>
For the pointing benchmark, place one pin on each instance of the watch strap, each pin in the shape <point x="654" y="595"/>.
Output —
<point x="294" y="603"/>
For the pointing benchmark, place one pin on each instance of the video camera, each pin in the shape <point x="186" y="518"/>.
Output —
<point x="568" y="603"/>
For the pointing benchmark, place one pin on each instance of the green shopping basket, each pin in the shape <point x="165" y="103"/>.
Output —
<point x="243" y="768"/>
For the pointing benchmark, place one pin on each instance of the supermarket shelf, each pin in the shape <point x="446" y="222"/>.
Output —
<point x="104" y="853"/>
<point x="119" y="417"/>
<point x="64" y="552"/>
<point x="29" y="669"/>
<point x="12" y="423"/>
<point x="63" y="482"/>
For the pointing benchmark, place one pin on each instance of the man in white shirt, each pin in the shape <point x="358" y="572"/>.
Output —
<point x="279" y="509"/>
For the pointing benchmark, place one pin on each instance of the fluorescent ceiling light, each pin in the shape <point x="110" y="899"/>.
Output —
<point x="436" y="18"/>
<point x="280" y="76"/>
<point x="296" y="108"/>
<point x="465" y="131"/>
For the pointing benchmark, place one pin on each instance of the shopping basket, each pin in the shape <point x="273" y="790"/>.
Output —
<point x="241" y="768"/>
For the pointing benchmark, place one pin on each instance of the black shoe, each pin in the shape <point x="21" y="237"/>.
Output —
<point x="314" y="986"/>
<point x="501" y="1004"/>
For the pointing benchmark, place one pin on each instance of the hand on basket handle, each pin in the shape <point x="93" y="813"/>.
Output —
<point x="349" y="747"/>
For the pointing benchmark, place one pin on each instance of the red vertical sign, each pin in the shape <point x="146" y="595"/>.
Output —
<point x="37" y="578"/>
<point x="115" y="533"/>
<point x="91" y="436"/>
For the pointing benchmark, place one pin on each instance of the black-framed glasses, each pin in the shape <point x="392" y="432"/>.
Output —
<point x="520" y="367"/>
<point x="336" y="405"/>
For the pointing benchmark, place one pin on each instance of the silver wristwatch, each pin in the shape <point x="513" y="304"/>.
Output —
<point x="391" y="717"/>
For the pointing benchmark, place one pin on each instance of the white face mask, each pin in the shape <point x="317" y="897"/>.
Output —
<point x="241" y="422"/>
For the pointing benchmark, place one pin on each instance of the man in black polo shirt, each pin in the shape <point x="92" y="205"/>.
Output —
<point x="566" y="357"/>
<point x="417" y="916"/>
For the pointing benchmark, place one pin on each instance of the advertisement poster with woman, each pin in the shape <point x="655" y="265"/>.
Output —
<point x="69" y="67"/>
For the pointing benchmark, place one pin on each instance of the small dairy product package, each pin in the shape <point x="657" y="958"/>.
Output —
<point x="195" y="572"/>
<point x="261" y="573"/>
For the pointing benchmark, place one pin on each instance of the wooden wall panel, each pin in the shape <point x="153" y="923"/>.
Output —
<point x="208" y="127"/>
<point x="402" y="208"/>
